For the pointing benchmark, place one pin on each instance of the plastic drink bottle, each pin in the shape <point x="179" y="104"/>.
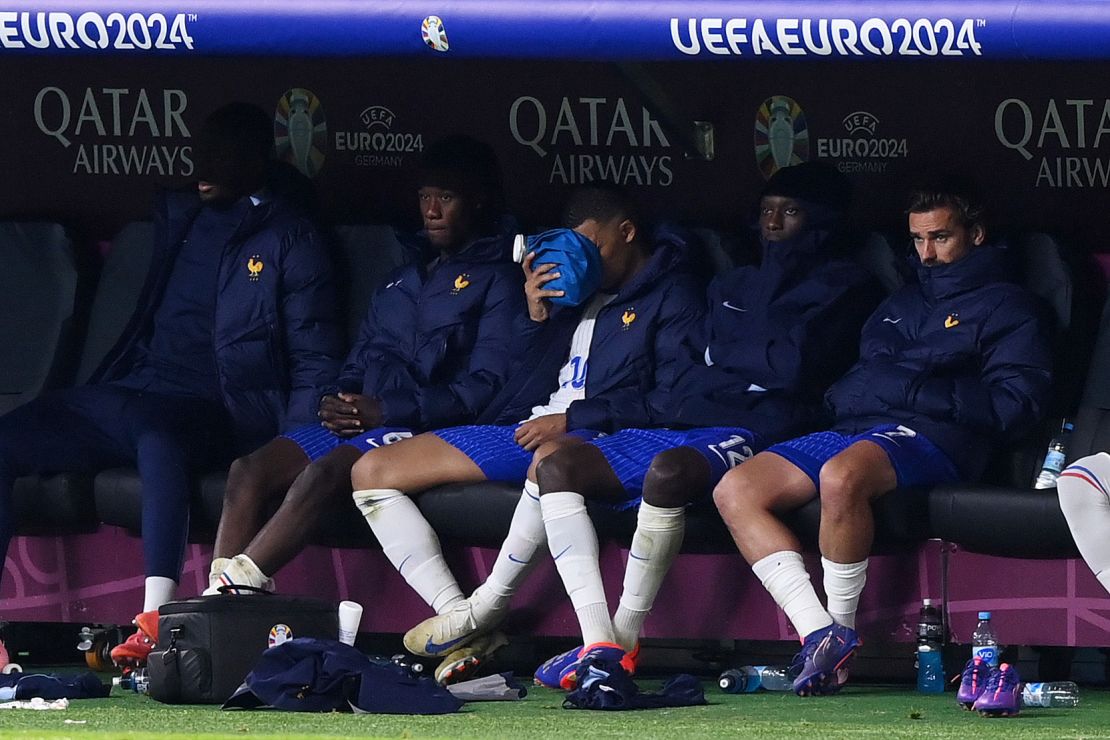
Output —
<point x="750" y="678"/>
<point x="984" y="642"/>
<point x="1055" y="694"/>
<point x="1054" y="458"/>
<point x="930" y="638"/>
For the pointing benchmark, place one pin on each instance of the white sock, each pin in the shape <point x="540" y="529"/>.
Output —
<point x="517" y="556"/>
<point x="411" y="545"/>
<point x="1083" y="490"/>
<point x="573" y="543"/>
<point x="214" y="572"/>
<point x="159" y="590"/>
<point x="844" y="583"/>
<point x="784" y="576"/>
<point x="655" y="544"/>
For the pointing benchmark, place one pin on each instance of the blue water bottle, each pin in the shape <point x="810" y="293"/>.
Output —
<point x="930" y="638"/>
<point x="930" y="670"/>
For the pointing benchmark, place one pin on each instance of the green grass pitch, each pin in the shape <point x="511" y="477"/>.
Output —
<point x="860" y="711"/>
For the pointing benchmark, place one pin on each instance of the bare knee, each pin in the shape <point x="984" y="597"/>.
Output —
<point x="735" y="494"/>
<point x="245" y="480"/>
<point x="577" y="467"/>
<point x="556" y="471"/>
<point x="843" y="486"/>
<point x="323" y="479"/>
<point x="546" y="450"/>
<point x="371" y="471"/>
<point x="675" y="478"/>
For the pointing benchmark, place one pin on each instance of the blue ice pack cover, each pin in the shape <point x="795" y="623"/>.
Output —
<point x="577" y="260"/>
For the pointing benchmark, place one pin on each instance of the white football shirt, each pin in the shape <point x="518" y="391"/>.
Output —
<point x="572" y="376"/>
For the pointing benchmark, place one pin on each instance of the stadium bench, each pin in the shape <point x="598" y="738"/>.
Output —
<point x="1001" y="547"/>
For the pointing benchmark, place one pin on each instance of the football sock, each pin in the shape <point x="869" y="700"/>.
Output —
<point x="844" y="583"/>
<point x="214" y="572"/>
<point x="159" y="590"/>
<point x="573" y="543"/>
<point x="784" y="576"/>
<point x="1083" y="491"/>
<point x="411" y="545"/>
<point x="516" y="558"/>
<point x="655" y="544"/>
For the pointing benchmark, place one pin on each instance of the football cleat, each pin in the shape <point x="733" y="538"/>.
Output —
<point x="972" y="682"/>
<point x="824" y="654"/>
<point x="462" y="664"/>
<point x="444" y="633"/>
<point x="133" y="652"/>
<point x="561" y="671"/>
<point x="551" y="673"/>
<point x="1001" y="696"/>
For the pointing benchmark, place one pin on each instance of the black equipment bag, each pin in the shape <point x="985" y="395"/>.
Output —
<point x="207" y="645"/>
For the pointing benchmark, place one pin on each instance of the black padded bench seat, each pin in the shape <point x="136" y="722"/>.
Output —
<point x="1001" y="521"/>
<point x="479" y="514"/>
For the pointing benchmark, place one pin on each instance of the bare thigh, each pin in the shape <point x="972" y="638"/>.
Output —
<point x="768" y="481"/>
<point x="414" y="465"/>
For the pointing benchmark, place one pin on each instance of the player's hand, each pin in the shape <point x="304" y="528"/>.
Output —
<point x="532" y="434"/>
<point x="539" y="303"/>
<point x="349" y="414"/>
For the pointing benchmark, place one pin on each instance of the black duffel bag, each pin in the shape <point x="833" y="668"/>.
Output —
<point x="207" y="645"/>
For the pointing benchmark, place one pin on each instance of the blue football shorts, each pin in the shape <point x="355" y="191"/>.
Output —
<point x="629" y="453"/>
<point x="316" y="441"/>
<point x="915" y="459"/>
<point x="493" y="449"/>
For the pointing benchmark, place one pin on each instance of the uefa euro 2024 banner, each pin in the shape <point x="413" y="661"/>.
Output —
<point x="568" y="29"/>
<point x="99" y="136"/>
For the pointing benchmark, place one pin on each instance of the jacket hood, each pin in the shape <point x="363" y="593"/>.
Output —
<point x="181" y="205"/>
<point x="671" y="251"/>
<point x="807" y="248"/>
<point x="492" y="247"/>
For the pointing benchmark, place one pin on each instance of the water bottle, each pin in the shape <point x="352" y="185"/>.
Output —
<point x="930" y="638"/>
<point x="136" y="680"/>
<point x="984" y="642"/>
<point x="1055" y="694"/>
<point x="930" y="670"/>
<point x="1054" y="458"/>
<point x="930" y="624"/>
<point x="414" y="668"/>
<point x="750" y="678"/>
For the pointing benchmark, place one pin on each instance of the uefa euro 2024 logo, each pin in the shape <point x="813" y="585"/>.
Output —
<point x="781" y="135"/>
<point x="301" y="131"/>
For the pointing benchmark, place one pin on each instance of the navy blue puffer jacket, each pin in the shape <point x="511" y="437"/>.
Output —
<point x="435" y="347"/>
<point x="777" y="335"/>
<point x="962" y="357"/>
<point x="278" y="339"/>
<point x="643" y="341"/>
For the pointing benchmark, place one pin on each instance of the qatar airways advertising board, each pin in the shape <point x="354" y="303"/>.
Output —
<point x="93" y="132"/>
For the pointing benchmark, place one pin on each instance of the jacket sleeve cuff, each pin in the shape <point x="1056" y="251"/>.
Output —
<point x="588" y="414"/>
<point x="399" y="408"/>
<point x="436" y="405"/>
<point x="301" y="409"/>
<point x="936" y="397"/>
